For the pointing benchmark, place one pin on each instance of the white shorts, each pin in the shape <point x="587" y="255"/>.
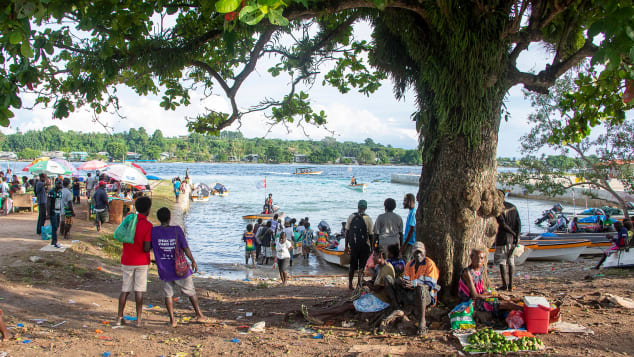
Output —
<point x="134" y="278"/>
<point x="186" y="285"/>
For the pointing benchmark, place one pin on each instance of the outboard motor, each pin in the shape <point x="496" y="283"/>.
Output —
<point x="324" y="226"/>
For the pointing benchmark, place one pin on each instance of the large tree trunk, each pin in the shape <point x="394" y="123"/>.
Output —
<point x="458" y="201"/>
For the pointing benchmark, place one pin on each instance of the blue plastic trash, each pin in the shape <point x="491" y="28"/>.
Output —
<point x="106" y="354"/>
<point x="235" y="340"/>
<point x="47" y="232"/>
<point x="129" y="318"/>
<point x="318" y="336"/>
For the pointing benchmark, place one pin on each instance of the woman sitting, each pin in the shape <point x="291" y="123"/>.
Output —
<point x="472" y="286"/>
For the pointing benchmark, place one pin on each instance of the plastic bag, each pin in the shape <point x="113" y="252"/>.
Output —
<point x="461" y="316"/>
<point x="518" y="251"/>
<point x="47" y="232"/>
<point x="125" y="232"/>
<point x="515" y="319"/>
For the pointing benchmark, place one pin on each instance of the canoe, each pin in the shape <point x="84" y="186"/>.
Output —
<point x="200" y="193"/>
<point x="196" y="198"/>
<point x="620" y="259"/>
<point x="358" y="187"/>
<point x="265" y="217"/>
<point x="599" y="242"/>
<point x="558" y="250"/>
<point x="306" y="171"/>
<point x="528" y="248"/>
<point x="336" y="257"/>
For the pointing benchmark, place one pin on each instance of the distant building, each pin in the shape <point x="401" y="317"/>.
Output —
<point x="8" y="155"/>
<point x="77" y="156"/>
<point x="130" y="155"/>
<point x="54" y="154"/>
<point x="164" y="156"/>
<point x="183" y="137"/>
<point x="232" y="158"/>
<point x="300" y="158"/>
<point x="103" y="153"/>
<point x="251" y="158"/>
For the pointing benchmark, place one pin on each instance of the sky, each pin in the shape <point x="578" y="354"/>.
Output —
<point x="383" y="119"/>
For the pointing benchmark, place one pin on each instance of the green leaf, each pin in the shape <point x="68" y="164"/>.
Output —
<point x="251" y="15"/>
<point x="276" y="18"/>
<point x="26" y="50"/>
<point x="15" y="37"/>
<point x="225" y="6"/>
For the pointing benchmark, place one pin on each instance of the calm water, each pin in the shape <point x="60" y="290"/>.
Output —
<point x="214" y="228"/>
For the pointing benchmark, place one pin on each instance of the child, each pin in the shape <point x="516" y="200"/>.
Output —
<point x="249" y="248"/>
<point x="283" y="248"/>
<point x="394" y="258"/>
<point x="307" y="240"/>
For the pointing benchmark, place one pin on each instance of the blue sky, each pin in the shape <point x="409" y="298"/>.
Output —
<point x="351" y="117"/>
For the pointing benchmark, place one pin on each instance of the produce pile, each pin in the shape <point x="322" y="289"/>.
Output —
<point x="488" y="340"/>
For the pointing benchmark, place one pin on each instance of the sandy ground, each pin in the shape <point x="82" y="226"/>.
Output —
<point x="74" y="296"/>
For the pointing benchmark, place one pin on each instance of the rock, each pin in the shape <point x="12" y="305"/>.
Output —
<point x="34" y="258"/>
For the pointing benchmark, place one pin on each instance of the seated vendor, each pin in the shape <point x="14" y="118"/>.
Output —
<point x="418" y="286"/>
<point x="377" y="300"/>
<point x="472" y="286"/>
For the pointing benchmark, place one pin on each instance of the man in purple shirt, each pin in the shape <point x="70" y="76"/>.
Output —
<point x="163" y="239"/>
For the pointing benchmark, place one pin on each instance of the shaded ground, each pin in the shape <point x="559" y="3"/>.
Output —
<point x="79" y="289"/>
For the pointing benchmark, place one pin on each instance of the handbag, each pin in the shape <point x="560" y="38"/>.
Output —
<point x="181" y="266"/>
<point x="126" y="230"/>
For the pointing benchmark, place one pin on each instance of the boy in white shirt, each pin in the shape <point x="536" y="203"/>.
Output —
<point x="283" y="250"/>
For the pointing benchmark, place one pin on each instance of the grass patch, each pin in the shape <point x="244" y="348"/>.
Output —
<point x="162" y="196"/>
<point x="112" y="247"/>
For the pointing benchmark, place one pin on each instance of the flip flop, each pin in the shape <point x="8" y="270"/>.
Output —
<point x="205" y="321"/>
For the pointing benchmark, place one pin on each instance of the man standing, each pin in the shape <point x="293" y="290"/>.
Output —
<point x="290" y="236"/>
<point x="358" y="241"/>
<point x="40" y="193"/>
<point x="55" y="207"/>
<point x="507" y="238"/>
<point x="100" y="204"/>
<point x="67" y="212"/>
<point x="135" y="260"/>
<point x="388" y="227"/>
<point x="407" y="247"/>
<point x="91" y="182"/>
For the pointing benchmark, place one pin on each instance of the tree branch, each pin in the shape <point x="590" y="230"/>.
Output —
<point x="541" y="82"/>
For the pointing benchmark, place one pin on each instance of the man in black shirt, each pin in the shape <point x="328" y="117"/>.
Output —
<point x="507" y="238"/>
<point x="40" y="193"/>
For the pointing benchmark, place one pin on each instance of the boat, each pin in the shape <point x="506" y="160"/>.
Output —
<point x="265" y="216"/>
<point x="557" y="250"/>
<point x="306" y="171"/>
<point x="528" y="248"/>
<point x="599" y="242"/>
<point x="219" y="190"/>
<point x="361" y="187"/>
<point x="333" y="256"/>
<point x="620" y="259"/>
<point x="200" y="193"/>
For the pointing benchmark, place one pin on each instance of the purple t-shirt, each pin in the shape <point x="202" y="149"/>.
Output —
<point x="163" y="244"/>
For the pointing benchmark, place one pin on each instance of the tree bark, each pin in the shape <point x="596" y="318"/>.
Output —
<point x="458" y="202"/>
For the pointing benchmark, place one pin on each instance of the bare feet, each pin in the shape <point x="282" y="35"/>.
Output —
<point x="120" y="321"/>
<point x="140" y="323"/>
<point x="173" y="323"/>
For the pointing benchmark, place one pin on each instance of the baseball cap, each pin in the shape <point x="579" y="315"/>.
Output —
<point x="419" y="246"/>
<point x="102" y="183"/>
<point x="362" y="204"/>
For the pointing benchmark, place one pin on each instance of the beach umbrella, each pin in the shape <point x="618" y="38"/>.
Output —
<point x="66" y="164"/>
<point x="92" y="165"/>
<point x="49" y="167"/>
<point x="126" y="174"/>
<point x="137" y="166"/>
<point x="39" y="159"/>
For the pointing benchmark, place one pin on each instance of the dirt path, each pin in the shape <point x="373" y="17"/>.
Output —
<point x="76" y="293"/>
